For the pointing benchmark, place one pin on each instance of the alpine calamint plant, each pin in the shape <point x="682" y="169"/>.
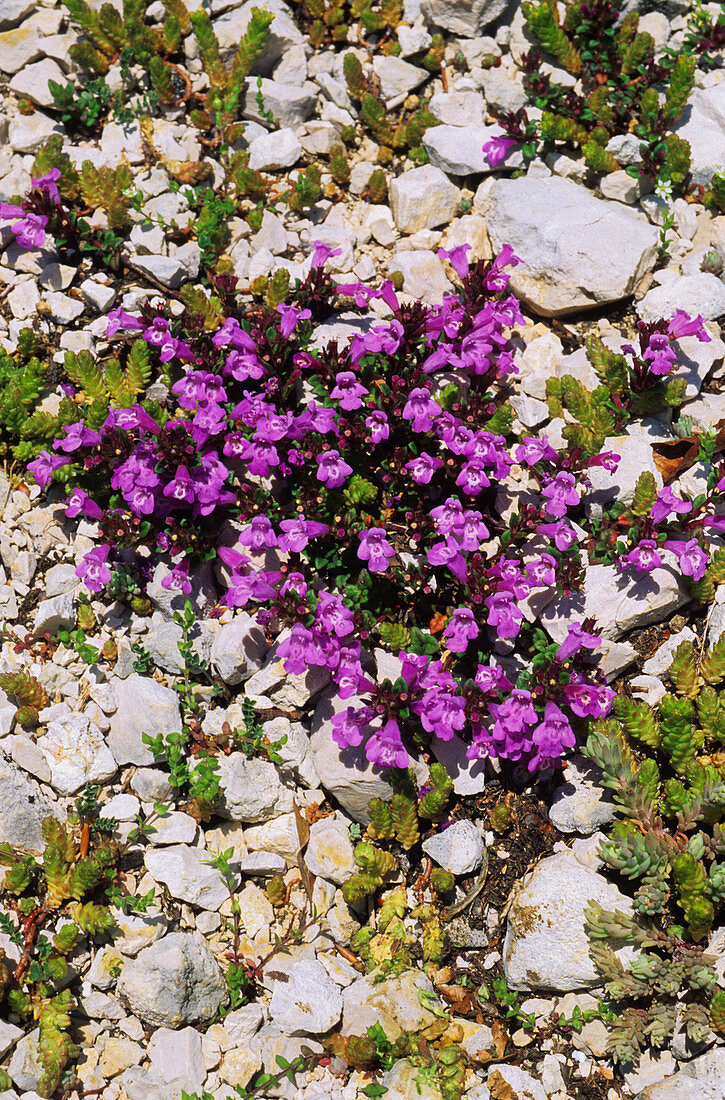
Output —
<point x="618" y="72"/>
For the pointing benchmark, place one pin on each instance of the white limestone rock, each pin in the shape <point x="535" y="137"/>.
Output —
<point x="578" y="251"/>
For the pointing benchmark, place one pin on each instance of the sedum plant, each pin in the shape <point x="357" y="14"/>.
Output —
<point x="670" y="842"/>
<point x="55" y="892"/>
<point x="226" y="82"/>
<point x="403" y="136"/>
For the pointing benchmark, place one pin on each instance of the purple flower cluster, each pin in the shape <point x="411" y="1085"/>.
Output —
<point x="351" y="494"/>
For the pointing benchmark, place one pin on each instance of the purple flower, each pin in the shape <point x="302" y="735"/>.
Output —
<point x="332" y="469"/>
<point x="474" y="531"/>
<point x="79" y="502"/>
<point x="534" y="450"/>
<point x="77" y="435"/>
<point x="449" y="553"/>
<point x="473" y="478"/>
<point x="449" y="517"/>
<point x="322" y="253"/>
<point x="375" y="549"/>
<point x="681" y="324"/>
<point x="693" y="559"/>
<point x="258" y="535"/>
<point x="667" y="503"/>
<point x="423" y="467"/>
<point x="589" y="700"/>
<point x="43" y="467"/>
<point x="551" y="737"/>
<point x="296" y="650"/>
<point x="348" y="726"/>
<point x="462" y="628"/>
<point x="348" y="391"/>
<point x="93" y="569"/>
<point x="118" y="318"/>
<point x="560" y="494"/>
<point x="378" y="425"/>
<point x="542" y="571"/>
<point x="385" y="748"/>
<point x="496" y="150"/>
<point x="290" y="316"/>
<point x="333" y="616"/>
<point x="421" y="409"/>
<point x="644" y="557"/>
<point x="491" y="679"/>
<point x="182" y="487"/>
<point x="298" y="532"/>
<point x="458" y="259"/>
<point x="577" y="638"/>
<point x="48" y="183"/>
<point x="197" y="386"/>
<point x="29" y="230"/>
<point x="503" y="614"/>
<point x="562" y="534"/>
<point x="232" y="333"/>
<point x="178" y="578"/>
<point x="159" y="336"/>
<point x="659" y="354"/>
<point x="441" y="713"/>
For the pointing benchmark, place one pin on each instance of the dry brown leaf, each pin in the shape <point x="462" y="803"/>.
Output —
<point x="674" y="456"/>
<point x="500" y="1037"/>
<point x="499" y="1088"/>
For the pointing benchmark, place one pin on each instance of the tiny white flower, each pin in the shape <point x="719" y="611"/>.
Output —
<point x="663" y="189"/>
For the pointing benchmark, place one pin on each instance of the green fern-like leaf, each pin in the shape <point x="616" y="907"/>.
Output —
<point x="84" y="372"/>
<point x="252" y="44"/>
<point x="637" y="53"/>
<point x="542" y="21"/>
<point x="645" y="494"/>
<point x="682" y="79"/>
<point x="209" y="52"/>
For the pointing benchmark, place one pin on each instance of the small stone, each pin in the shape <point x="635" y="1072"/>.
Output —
<point x="307" y="1003"/>
<point x="144" y="706"/>
<point x="272" y="152"/>
<point x="76" y="753"/>
<point x="394" y="1003"/>
<point x="175" y="828"/>
<point x="578" y="251"/>
<point x="171" y="272"/>
<point x="178" y="1054"/>
<point x="97" y="295"/>
<point x="516" y="1081"/>
<point x="459" y="848"/>
<point x="546" y="944"/>
<point x="422" y="199"/>
<point x="32" y="81"/>
<point x="24" y="807"/>
<point x="329" y="852"/>
<point x="397" y="77"/>
<point x="251" y="789"/>
<point x="174" y="982"/>
<point x="54" y="614"/>
<point x="238" y="1066"/>
<point x="620" y="187"/>
<point x="255" y="910"/>
<point x="461" y="109"/>
<point x="464" y="17"/>
<point x="63" y="309"/>
<point x="187" y="876"/>
<point x="27" y="133"/>
<point x="118" y="1054"/>
<point x="137" y="931"/>
<point x="580" y="804"/>
<point x="289" y="104"/>
<point x="702" y="294"/>
<point x="458" y="150"/>
<point x="423" y="275"/>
